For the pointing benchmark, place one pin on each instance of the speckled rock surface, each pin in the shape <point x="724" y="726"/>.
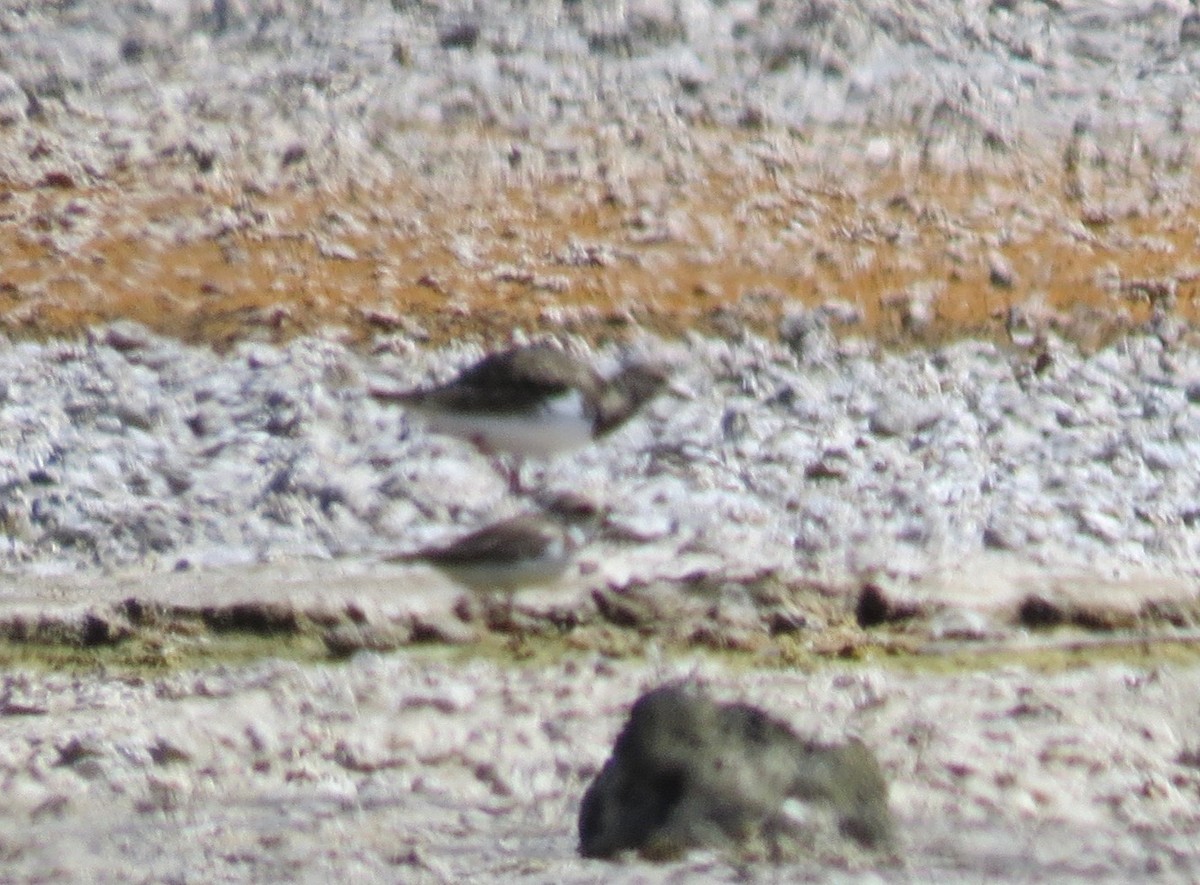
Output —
<point x="688" y="773"/>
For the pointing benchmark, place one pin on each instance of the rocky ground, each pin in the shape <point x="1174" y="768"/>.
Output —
<point x="765" y="470"/>
<point x="222" y="169"/>
<point x="925" y="473"/>
<point x="410" y="768"/>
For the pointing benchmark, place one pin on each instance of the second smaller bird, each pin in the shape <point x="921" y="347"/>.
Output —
<point x="527" y="550"/>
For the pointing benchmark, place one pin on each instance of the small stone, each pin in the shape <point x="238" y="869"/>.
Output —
<point x="785" y="621"/>
<point x="1040" y="611"/>
<point x="10" y="707"/>
<point x="879" y="151"/>
<point x="752" y="118"/>
<point x="902" y="418"/>
<point x="57" y="179"/>
<point x="736" y="425"/>
<point x="833" y="464"/>
<point x="841" y="312"/>
<point x="1164" y="458"/>
<point x="878" y="605"/>
<point x="1000" y="271"/>
<point x="13" y="102"/>
<point x="1189" y="29"/>
<point x="293" y="154"/>
<point x="165" y="751"/>
<point x="133" y="49"/>
<point x="554" y="283"/>
<point x="808" y="334"/>
<point x="346" y="639"/>
<point x="915" y="305"/>
<point x="460" y="36"/>
<point x="961" y="624"/>
<point x="77" y="749"/>
<point x="337" y="251"/>
<point x="1003" y="534"/>
<point x="126" y="336"/>
<point x="1102" y="526"/>
<point x="639" y="528"/>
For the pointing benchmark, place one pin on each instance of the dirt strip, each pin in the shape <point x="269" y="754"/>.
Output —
<point x="757" y="225"/>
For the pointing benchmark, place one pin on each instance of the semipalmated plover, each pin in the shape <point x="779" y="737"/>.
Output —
<point x="531" y="401"/>
<point x="527" y="550"/>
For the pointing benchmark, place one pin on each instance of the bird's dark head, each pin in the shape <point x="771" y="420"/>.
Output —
<point x="626" y="392"/>
<point x="573" y="508"/>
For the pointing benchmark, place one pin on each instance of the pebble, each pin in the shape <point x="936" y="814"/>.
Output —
<point x="13" y="103"/>
<point x="902" y="417"/>
<point x="1000" y="271"/>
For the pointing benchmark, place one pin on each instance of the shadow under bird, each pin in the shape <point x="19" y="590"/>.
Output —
<point x="527" y="550"/>
<point x="532" y="401"/>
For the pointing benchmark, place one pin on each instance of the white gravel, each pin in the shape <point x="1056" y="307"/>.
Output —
<point x="349" y="86"/>
<point x="839" y="463"/>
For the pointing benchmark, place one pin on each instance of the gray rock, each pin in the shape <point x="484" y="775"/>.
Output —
<point x="688" y="773"/>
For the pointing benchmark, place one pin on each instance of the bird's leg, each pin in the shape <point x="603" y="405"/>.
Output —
<point x="500" y="611"/>
<point x="510" y="609"/>
<point x="510" y="468"/>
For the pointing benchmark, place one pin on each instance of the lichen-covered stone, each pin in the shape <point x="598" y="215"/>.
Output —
<point x="687" y="772"/>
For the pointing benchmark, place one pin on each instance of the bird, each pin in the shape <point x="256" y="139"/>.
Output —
<point x="523" y="551"/>
<point x="532" y="400"/>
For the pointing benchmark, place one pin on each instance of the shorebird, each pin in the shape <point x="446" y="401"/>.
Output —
<point x="531" y="401"/>
<point x="527" y="550"/>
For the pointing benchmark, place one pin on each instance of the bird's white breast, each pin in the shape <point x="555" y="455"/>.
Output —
<point x="559" y="425"/>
